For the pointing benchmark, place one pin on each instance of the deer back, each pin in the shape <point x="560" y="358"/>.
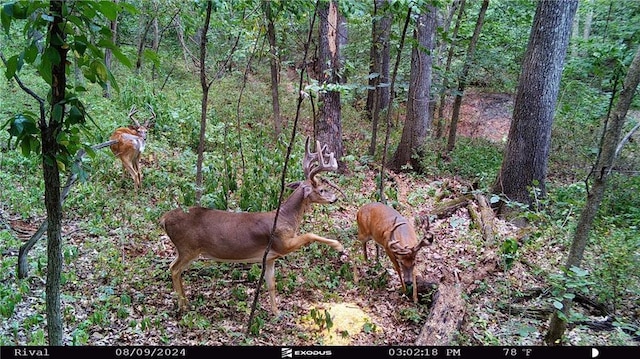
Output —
<point x="131" y="141"/>
<point x="388" y="228"/>
<point x="220" y="235"/>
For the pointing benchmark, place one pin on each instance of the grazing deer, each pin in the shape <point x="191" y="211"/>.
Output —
<point x="130" y="144"/>
<point x="389" y="229"/>
<point x="243" y="236"/>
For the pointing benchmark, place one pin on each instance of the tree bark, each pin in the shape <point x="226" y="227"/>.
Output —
<point x="50" y="152"/>
<point x="108" y="54"/>
<point x="462" y="81"/>
<point x="602" y="170"/>
<point x="418" y="121"/>
<point x="445" y="81"/>
<point x="378" y="96"/>
<point x="524" y="165"/>
<point x="275" y="66"/>
<point x="329" y="123"/>
<point x="203" y="105"/>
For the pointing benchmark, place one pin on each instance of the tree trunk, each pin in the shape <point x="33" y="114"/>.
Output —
<point x="142" y="40"/>
<point x="378" y="93"/>
<point x="462" y="81"/>
<point x="275" y="66"/>
<point x="445" y="81"/>
<point x="612" y="133"/>
<point x="108" y="55"/>
<point x="155" y="43"/>
<point x="203" y="106"/>
<point x="329" y="124"/>
<point x="189" y="59"/>
<point x="50" y="152"/>
<point x="524" y="165"/>
<point x="418" y="121"/>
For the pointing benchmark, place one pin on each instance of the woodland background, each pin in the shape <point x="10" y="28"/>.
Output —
<point x="115" y="288"/>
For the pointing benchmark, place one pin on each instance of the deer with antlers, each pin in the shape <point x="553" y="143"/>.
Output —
<point x="390" y="230"/>
<point x="129" y="144"/>
<point x="244" y="236"/>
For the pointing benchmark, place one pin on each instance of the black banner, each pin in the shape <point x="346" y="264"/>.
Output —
<point x="350" y="352"/>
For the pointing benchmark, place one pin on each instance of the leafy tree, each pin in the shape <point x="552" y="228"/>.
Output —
<point x="71" y="27"/>
<point x="601" y="172"/>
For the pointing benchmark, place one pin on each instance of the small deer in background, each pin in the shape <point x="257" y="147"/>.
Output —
<point x="130" y="144"/>
<point x="243" y="237"/>
<point x="389" y="229"/>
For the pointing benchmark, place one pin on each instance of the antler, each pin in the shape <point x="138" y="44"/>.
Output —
<point x="325" y="162"/>
<point x="132" y="112"/>
<point x="393" y="243"/>
<point x="153" y="116"/>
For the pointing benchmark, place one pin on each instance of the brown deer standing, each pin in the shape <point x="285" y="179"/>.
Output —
<point x="130" y="144"/>
<point x="389" y="229"/>
<point x="243" y="236"/>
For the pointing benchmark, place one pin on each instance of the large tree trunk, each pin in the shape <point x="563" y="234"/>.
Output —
<point x="329" y="125"/>
<point x="50" y="151"/>
<point x="524" y="165"/>
<point x="462" y="81"/>
<point x="418" y="121"/>
<point x="612" y="133"/>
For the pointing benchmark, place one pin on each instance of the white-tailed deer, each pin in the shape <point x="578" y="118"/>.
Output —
<point x="243" y="236"/>
<point x="389" y="229"/>
<point x="130" y="144"/>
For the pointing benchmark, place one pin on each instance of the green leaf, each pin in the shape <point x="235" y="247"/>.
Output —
<point x="5" y="17"/>
<point x="31" y="53"/>
<point x="22" y="126"/>
<point x="100" y="70"/>
<point x="558" y="305"/>
<point x="57" y="113"/>
<point x="152" y="55"/>
<point x="108" y="9"/>
<point x="75" y="116"/>
<point x="51" y="55"/>
<point x="12" y="67"/>
<point x="80" y="44"/>
<point x="121" y="57"/>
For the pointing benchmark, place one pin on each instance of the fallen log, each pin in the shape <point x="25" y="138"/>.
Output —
<point x="446" y="316"/>
<point x="444" y="209"/>
<point x="485" y="218"/>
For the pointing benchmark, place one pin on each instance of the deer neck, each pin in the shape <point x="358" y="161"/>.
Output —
<point x="294" y="207"/>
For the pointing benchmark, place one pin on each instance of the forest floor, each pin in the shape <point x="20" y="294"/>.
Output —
<point x="499" y="307"/>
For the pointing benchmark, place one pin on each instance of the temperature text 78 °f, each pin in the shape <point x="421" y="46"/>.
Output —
<point x="513" y="352"/>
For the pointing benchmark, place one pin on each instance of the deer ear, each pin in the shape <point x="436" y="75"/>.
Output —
<point x="293" y="185"/>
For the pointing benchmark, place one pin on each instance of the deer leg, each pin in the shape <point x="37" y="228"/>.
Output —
<point x="396" y="266"/>
<point x="296" y="243"/>
<point x="136" y="168"/>
<point x="415" y="286"/>
<point x="270" y="278"/>
<point x="129" y="168"/>
<point x="177" y="267"/>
